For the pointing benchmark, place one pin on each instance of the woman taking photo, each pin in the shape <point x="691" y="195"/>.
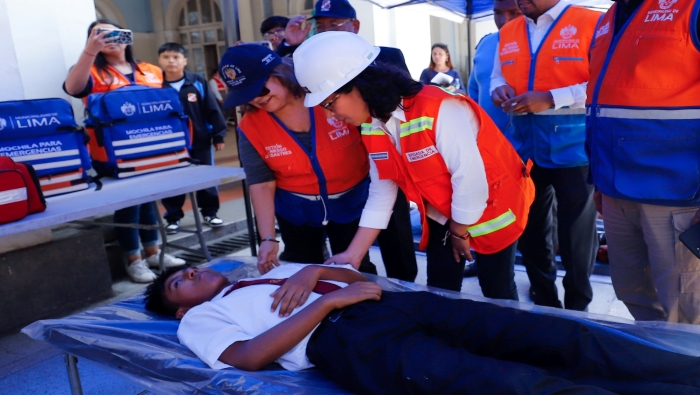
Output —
<point x="104" y="66"/>
<point x="441" y="149"/>
<point x="307" y="170"/>
<point x="440" y="62"/>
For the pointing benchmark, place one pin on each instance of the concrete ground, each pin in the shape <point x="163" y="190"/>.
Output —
<point x="32" y="367"/>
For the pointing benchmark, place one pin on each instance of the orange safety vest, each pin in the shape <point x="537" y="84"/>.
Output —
<point x="654" y="63"/>
<point x="421" y="172"/>
<point x="561" y="59"/>
<point x="146" y="75"/>
<point x="338" y="163"/>
<point x="643" y="105"/>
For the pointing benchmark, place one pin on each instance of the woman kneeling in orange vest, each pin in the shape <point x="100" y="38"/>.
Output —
<point x="308" y="171"/>
<point x="440" y="148"/>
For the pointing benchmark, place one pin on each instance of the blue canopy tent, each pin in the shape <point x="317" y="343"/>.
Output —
<point x="454" y="10"/>
<point x="458" y="10"/>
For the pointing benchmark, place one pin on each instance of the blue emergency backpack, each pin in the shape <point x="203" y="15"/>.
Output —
<point x="44" y="134"/>
<point x="136" y="130"/>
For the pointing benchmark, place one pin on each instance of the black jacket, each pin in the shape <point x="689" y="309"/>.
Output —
<point x="389" y="55"/>
<point x="203" y="110"/>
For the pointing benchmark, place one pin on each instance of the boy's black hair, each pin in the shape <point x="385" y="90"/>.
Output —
<point x="154" y="296"/>
<point x="172" y="47"/>
<point x="273" y="22"/>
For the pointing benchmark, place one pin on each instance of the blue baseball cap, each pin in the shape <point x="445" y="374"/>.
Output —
<point x="333" y="9"/>
<point x="245" y="70"/>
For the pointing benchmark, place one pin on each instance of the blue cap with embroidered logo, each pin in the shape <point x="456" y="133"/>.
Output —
<point x="245" y="70"/>
<point x="333" y="9"/>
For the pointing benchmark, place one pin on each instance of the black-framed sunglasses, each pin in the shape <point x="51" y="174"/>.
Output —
<point x="327" y="106"/>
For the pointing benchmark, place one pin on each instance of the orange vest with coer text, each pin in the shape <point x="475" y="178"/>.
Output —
<point x="561" y="59"/>
<point x="421" y="172"/>
<point x="342" y="157"/>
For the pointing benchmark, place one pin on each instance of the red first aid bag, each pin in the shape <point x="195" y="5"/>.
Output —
<point x="20" y="191"/>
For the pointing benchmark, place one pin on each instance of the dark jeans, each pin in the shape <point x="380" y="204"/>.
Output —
<point x="578" y="241"/>
<point x="305" y="244"/>
<point x="422" y="343"/>
<point x="207" y="199"/>
<point x="396" y="243"/>
<point x="128" y="238"/>
<point x="496" y="275"/>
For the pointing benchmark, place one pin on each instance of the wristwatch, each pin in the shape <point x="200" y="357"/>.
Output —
<point x="269" y="238"/>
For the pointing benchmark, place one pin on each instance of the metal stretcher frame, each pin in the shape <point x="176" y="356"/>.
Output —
<point x="115" y="194"/>
<point x="143" y="347"/>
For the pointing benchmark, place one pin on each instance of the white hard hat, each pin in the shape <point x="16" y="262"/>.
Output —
<point x="329" y="60"/>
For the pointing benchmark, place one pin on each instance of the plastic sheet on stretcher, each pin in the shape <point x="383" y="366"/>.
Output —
<point x="143" y="346"/>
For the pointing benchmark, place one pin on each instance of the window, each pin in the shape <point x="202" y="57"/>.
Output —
<point x="201" y="33"/>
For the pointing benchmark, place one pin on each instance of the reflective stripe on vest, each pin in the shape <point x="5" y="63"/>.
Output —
<point x="493" y="225"/>
<point x="416" y="125"/>
<point x="425" y="178"/>
<point x="643" y="125"/>
<point x="366" y="129"/>
<point x="629" y="113"/>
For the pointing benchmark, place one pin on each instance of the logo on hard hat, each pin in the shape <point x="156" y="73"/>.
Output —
<point x="326" y="5"/>
<point x="3" y="123"/>
<point x="568" y="32"/>
<point x="666" y="4"/>
<point x="128" y="109"/>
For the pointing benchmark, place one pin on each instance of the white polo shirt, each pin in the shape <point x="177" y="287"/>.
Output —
<point x="208" y="329"/>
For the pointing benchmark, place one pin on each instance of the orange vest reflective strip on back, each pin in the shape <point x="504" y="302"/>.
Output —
<point x="422" y="174"/>
<point x="146" y="75"/>
<point x="561" y="59"/>
<point x="338" y="147"/>
<point x="655" y="61"/>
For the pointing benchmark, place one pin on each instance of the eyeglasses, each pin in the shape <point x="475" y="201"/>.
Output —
<point x="330" y="26"/>
<point x="328" y="105"/>
<point x="276" y="33"/>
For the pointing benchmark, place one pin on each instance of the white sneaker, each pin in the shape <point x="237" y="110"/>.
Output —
<point x="139" y="272"/>
<point x="214" y="221"/>
<point x="168" y="261"/>
<point x="172" y="228"/>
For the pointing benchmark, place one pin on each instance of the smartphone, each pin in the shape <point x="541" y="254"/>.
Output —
<point x="691" y="239"/>
<point x="118" y="36"/>
<point x="263" y="43"/>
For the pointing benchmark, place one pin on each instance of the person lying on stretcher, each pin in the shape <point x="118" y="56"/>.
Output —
<point x="371" y="341"/>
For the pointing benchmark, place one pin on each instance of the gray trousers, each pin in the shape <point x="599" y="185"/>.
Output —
<point x="652" y="272"/>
